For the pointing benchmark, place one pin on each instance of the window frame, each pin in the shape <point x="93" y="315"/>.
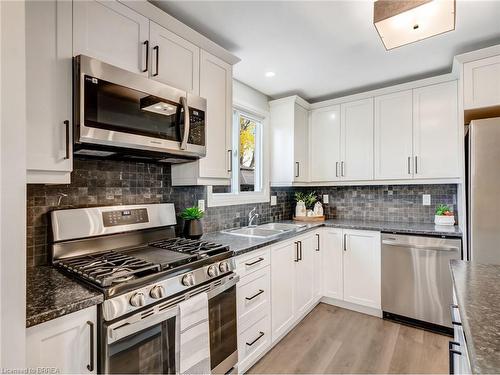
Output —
<point x="236" y="197"/>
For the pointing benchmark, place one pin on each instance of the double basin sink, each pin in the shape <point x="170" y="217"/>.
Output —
<point x="265" y="230"/>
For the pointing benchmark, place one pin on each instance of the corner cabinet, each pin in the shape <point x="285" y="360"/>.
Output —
<point x="49" y="113"/>
<point x="215" y="86"/>
<point x="289" y="141"/>
<point x="67" y="344"/>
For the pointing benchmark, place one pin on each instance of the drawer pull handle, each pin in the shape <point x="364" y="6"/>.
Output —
<point x="255" y="295"/>
<point x="90" y="366"/>
<point x="261" y="335"/>
<point x="254" y="262"/>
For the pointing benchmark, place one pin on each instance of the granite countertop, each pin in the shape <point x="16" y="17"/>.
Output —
<point x="240" y="245"/>
<point x="51" y="294"/>
<point x="478" y="296"/>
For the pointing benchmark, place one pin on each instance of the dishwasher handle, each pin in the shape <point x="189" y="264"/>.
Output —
<point x="420" y="247"/>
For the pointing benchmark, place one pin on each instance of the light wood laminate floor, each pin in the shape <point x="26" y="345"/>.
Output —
<point x="335" y="340"/>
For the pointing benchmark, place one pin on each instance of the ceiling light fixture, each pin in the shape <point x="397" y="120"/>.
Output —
<point x="270" y="74"/>
<point x="400" y="22"/>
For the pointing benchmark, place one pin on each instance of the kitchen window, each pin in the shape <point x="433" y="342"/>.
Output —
<point x="249" y="181"/>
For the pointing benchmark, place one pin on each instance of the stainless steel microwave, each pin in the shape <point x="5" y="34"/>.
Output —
<point x="118" y="113"/>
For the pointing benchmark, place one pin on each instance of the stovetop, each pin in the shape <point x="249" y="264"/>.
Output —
<point x="115" y="267"/>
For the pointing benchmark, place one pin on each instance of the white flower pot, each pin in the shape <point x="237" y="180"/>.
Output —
<point x="444" y="220"/>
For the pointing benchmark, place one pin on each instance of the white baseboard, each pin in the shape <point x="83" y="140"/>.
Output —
<point x="352" y="306"/>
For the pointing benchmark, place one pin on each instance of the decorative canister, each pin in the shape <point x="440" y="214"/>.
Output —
<point x="300" y="209"/>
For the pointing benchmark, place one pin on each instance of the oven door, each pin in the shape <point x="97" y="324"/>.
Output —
<point x="145" y="342"/>
<point x="122" y="109"/>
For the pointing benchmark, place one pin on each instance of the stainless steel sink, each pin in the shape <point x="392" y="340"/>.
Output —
<point x="264" y="230"/>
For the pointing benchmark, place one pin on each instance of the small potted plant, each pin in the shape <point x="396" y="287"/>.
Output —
<point x="444" y="215"/>
<point x="192" y="222"/>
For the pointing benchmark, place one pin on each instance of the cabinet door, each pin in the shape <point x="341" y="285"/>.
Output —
<point x="216" y="87"/>
<point x="331" y="262"/>
<point x="283" y="260"/>
<point x="435" y="131"/>
<point x="64" y="343"/>
<point x="301" y="137"/>
<point x="317" y="266"/>
<point x="362" y="268"/>
<point x="304" y="274"/>
<point x="49" y="91"/>
<point x="394" y="136"/>
<point x="110" y="32"/>
<point x="325" y="144"/>
<point x="482" y="83"/>
<point x="174" y="61"/>
<point x="357" y="140"/>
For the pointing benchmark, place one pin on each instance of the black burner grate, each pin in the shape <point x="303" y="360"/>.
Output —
<point x="183" y="245"/>
<point x="108" y="268"/>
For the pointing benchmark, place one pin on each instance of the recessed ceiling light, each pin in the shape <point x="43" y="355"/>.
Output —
<point x="270" y="74"/>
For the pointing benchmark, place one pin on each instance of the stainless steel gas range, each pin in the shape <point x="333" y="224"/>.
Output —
<point x="131" y="254"/>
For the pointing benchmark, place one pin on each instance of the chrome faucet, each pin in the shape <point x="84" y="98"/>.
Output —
<point x="252" y="215"/>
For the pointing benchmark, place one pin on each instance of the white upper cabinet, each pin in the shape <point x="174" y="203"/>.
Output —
<point x="325" y="144"/>
<point x="49" y="91"/>
<point x="174" y="61"/>
<point x="357" y="140"/>
<point x="393" y="146"/>
<point x="64" y="343"/>
<point x="362" y="262"/>
<point x="435" y="131"/>
<point x="482" y="83"/>
<point x="111" y="32"/>
<point x="301" y="140"/>
<point x="289" y="150"/>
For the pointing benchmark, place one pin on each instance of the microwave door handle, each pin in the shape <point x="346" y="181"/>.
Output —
<point x="187" y="125"/>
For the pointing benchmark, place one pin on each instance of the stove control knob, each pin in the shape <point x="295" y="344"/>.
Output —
<point x="212" y="271"/>
<point x="188" y="280"/>
<point x="157" y="292"/>
<point x="223" y="267"/>
<point x="137" y="300"/>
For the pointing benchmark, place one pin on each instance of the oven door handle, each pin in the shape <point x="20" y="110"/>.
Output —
<point x="187" y="125"/>
<point x="212" y="293"/>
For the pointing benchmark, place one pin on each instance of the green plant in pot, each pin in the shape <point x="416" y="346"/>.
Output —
<point x="192" y="222"/>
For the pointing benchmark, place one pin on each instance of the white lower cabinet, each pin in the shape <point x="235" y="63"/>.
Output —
<point x="67" y="344"/>
<point x="331" y="263"/>
<point x="304" y="274"/>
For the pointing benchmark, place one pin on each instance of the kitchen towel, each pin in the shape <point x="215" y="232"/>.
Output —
<point x="193" y="340"/>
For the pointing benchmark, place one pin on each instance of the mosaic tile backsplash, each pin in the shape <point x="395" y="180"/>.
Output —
<point x="107" y="182"/>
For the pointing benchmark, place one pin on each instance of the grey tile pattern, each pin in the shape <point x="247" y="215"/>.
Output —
<point x="50" y="294"/>
<point x="478" y="297"/>
<point x="109" y="182"/>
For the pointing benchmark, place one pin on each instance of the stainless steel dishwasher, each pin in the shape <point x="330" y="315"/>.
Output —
<point x="416" y="279"/>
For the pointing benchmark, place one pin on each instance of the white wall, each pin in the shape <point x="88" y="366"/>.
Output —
<point x="12" y="185"/>
<point x="249" y="98"/>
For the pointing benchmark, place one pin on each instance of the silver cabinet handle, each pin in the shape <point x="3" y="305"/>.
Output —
<point x="230" y="152"/>
<point x="345" y="242"/>
<point x="416" y="165"/>
<point x="336" y="169"/>
<point x="297" y="169"/>
<point x="317" y="237"/>
<point x="343" y="169"/>
<point x="296" y="252"/>
<point x="187" y="125"/>
<point x="146" y="46"/>
<point x="409" y="162"/>
<point x="90" y="366"/>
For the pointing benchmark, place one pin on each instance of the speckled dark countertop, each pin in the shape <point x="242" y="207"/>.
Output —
<point x="477" y="288"/>
<point x="51" y="294"/>
<point x="240" y="244"/>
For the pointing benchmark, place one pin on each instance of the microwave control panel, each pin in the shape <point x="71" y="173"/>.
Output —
<point x="125" y="217"/>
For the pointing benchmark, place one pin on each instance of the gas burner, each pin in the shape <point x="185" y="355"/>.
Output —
<point x="183" y="245"/>
<point x="108" y="268"/>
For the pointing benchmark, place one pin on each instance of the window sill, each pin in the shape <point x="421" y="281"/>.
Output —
<point x="232" y="199"/>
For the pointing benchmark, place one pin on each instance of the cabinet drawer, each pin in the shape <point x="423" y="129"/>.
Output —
<point x="252" y="342"/>
<point x="253" y="294"/>
<point x="248" y="263"/>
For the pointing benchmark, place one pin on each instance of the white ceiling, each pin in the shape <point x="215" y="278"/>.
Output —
<point x="321" y="50"/>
